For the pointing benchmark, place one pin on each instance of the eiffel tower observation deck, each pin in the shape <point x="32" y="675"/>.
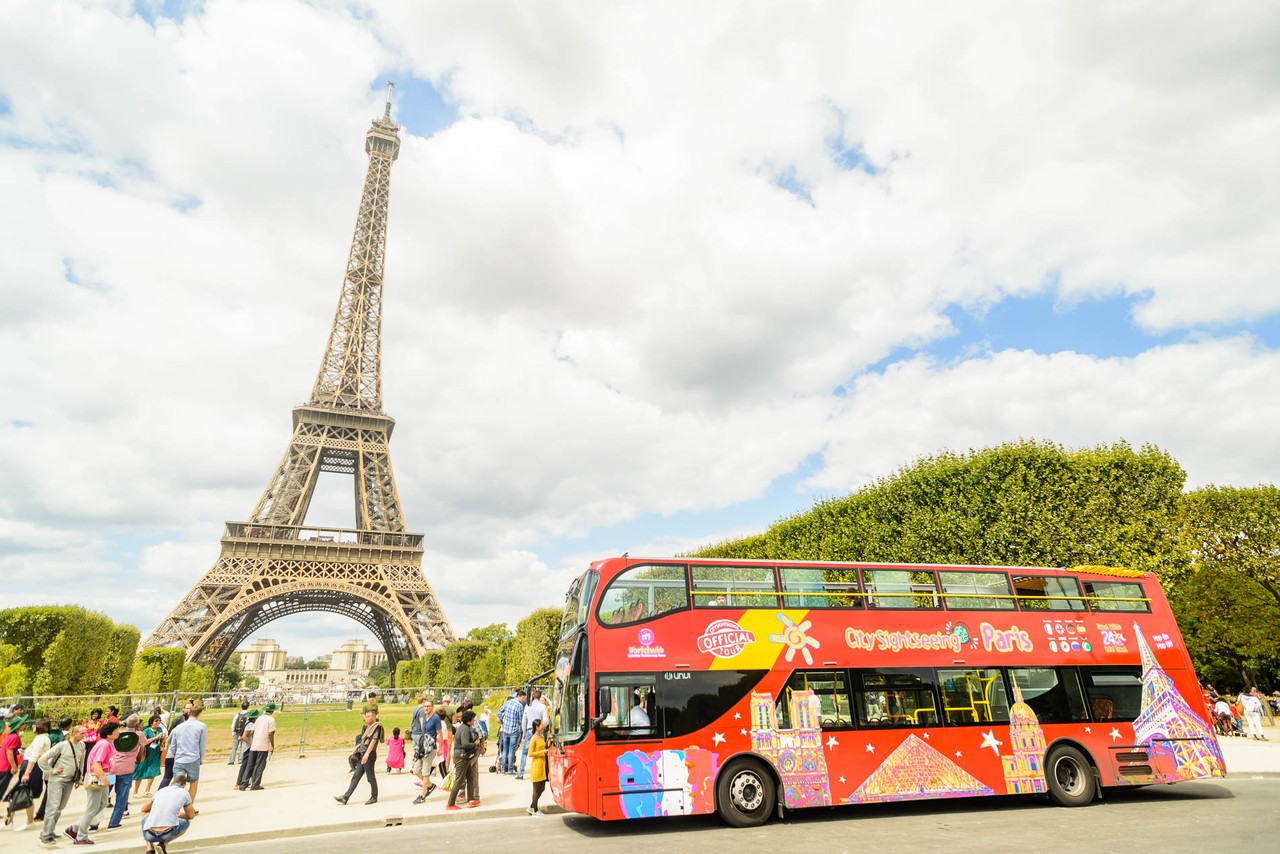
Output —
<point x="274" y="565"/>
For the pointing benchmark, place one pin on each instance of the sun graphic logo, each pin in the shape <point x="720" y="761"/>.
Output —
<point x="795" y="639"/>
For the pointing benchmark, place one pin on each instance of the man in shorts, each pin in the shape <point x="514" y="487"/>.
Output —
<point x="167" y="815"/>
<point x="425" y="733"/>
<point x="186" y="743"/>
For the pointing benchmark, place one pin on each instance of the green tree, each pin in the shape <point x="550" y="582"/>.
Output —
<point x="62" y="647"/>
<point x="533" y="650"/>
<point x="458" y="666"/>
<point x="13" y="673"/>
<point x="432" y="661"/>
<point x="490" y="669"/>
<point x="1235" y="531"/>
<point x="118" y="661"/>
<point x="195" y="679"/>
<point x="1024" y="503"/>
<point x="380" y="675"/>
<point x="249" y="683"/>
<point x="157" y="670"/>
<point x="230" y="677"/>
<point x="409" y="673"/>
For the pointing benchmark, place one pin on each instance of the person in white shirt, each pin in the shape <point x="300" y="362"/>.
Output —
<point x="639" y="718"/>
<point x="263" y="745"/>
<point x="1253" y="713"/>
<point x="167" y="815"/>
<point x="536" y="710"/>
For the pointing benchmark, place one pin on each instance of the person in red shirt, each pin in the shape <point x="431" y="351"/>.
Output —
<point x="10" y="747"/>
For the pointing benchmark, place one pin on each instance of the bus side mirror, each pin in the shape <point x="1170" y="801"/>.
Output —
<point x="604" y="705"/>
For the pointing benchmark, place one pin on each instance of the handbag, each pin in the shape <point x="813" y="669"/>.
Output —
<point x="93" y="784"/>
<point x="20" y="797"/>
<point x="447" y="782"/>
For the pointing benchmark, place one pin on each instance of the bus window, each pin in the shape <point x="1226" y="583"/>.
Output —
<point x="819" y="587"/>
<point x="1115" y="693"/>
<point x="569" y="695"/>
<point x="973" y="696"/>
<point x="828" y="698"/>
<point x="900" y="588"/>
<point x="734" y="587"/>
<point x="897" y="697"/>
<point x="1053" y="693"/>
<point x="1116" y="596"/>
<point x="1048" y="593"/>
<point x="972" y="590"/>
<point x="642" y="593"/>
<point x="577" y="603"/>
<point x="633" y="709"/>
<point x="688" y="701"/>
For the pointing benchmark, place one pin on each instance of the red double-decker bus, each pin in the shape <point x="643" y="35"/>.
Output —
<point x="745" y="688"/>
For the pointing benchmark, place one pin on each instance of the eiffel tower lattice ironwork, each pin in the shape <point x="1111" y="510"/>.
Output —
<point x="273" y="565"/>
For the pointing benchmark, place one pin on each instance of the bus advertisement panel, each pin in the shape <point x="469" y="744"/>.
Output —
<point x="748" y="687"/>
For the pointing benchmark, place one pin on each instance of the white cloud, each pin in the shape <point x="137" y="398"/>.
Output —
<point x="1208" y="404"/>
<point x="601" y="304"/>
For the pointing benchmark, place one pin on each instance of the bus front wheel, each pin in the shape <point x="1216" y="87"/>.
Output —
<point x="745" y="795"/>
<point x="1070" y="777"/>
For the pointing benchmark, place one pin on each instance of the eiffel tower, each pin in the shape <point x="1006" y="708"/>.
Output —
<point x="273" y="565"/>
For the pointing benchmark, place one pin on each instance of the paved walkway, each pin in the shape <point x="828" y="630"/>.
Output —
<point x="298" y="801"/>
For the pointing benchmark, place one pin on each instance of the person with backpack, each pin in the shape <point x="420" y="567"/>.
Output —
<point x="237" y="731"/>
<point x="365" y="759"/>
<point x="63" y="767"/>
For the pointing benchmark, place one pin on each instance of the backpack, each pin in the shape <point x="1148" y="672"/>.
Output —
<point x="237" y="726"/>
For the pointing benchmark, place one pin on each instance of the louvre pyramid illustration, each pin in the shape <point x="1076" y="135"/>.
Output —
<point x="916" y="770"/>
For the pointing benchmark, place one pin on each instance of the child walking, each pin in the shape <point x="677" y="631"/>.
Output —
<point x="538" y="766"/>
<point x="395" y="752"/>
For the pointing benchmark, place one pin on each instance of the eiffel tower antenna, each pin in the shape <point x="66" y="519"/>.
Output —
<point x="274" y="565"/>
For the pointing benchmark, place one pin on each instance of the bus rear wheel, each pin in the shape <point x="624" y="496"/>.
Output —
<point x="1070" y="777"/>
<point x="745" y="794"/>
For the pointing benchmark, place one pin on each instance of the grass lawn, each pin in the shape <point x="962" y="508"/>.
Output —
<point x="329" y="726"/>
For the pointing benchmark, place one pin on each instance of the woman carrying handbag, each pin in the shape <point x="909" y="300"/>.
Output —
<point x="466" y="772"/>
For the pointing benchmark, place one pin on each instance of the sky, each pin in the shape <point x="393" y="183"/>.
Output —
<point x="658" y="274"/>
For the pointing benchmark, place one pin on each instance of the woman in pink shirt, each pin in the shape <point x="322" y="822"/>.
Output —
<point x="99" y="762"/>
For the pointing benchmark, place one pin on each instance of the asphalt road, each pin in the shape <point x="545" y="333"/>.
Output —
<point x="1239" y="814"/>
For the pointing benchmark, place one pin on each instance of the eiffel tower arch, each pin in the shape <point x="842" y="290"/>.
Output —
<point x="274" y="565"/>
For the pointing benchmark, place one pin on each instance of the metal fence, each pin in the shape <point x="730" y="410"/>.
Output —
<point x="311" y="720"/>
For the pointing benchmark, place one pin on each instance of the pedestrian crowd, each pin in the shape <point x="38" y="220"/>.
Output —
<point x="450" y="741"/>
<point x="1240" y="716"/>
<point x="114" y="760"/>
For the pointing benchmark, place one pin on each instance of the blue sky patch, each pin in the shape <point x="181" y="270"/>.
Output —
<point x="785" y="497"/>
<point x="175" y="10"/>
<point x="787" y="180"/>
<point x="419" y="106"/>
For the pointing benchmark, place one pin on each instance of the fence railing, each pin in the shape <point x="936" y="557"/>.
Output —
<point x="311" y="720"/>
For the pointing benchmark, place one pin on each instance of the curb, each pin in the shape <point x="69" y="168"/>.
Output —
<point x="362" y="824"/>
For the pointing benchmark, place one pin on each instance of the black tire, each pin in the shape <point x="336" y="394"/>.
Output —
<point x="1070" y="777"/>
<point x="745" y="794"/>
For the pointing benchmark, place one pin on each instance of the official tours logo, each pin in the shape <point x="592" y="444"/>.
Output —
<point x="724" y="639"/>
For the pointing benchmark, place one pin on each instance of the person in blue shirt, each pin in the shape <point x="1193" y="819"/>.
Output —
<point x="424" y="733"/>
<point x="509" y="718"/>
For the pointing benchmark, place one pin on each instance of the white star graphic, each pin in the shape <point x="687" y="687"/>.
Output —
<point x="737" y="716"/>
<point x="1088" y="729"/>
<point x="1115" y="733"/>
<point x="959" y="754"/>
<point x="842" y="779"/>
<point x="717" y="738"/>
<point x="989" y="740"/>
<point x="926" y="736"/>
<point x="870" y="748"/>
<point x="831" y="742"/>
